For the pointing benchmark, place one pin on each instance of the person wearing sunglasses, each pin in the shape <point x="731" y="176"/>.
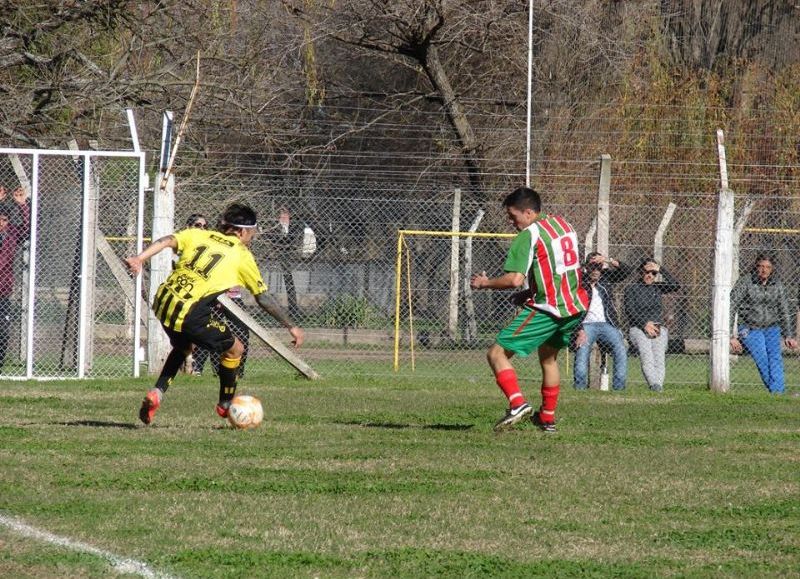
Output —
<point x="762" y="303"/>
<point x="645" y="312"/>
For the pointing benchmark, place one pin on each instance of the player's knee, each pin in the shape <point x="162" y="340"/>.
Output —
<point x="235" y="351"/>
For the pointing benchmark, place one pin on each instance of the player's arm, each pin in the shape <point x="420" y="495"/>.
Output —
<point x="267" y="303"/>
<point x="136" y="262"/>
<point x="509" y="280"/>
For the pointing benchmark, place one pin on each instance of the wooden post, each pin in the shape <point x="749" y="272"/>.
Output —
<point x="658" y="241"/>
<point x="452" y="319"/>
<point x="741" y="221"/>
<point x="161" y="264"/>
<point x="276" y="345"/>
<point x="598" y="368"/>
<point x="588" y="242"/>
<point x="603" y="196"/>
<point x="721" y="289"/>
<point x="472" y="324"/>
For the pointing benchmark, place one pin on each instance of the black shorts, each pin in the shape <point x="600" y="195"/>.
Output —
<point x="202" y="329"/>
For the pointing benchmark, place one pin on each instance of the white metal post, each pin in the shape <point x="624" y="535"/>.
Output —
<point x="82" y="302"/>
<point x="137" y="328"/>
<point x="530" y="95"/>
<point x="34" y="221"/>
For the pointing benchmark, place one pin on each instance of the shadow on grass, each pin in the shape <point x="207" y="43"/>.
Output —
<point x="399" y="426"/>
<point x="99" y="424"/>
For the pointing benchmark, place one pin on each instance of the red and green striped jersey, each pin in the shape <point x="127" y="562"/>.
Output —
<point x="546" y="253"/>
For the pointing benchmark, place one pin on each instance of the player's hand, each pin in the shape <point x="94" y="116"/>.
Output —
<point x="298" y="336"/>
<point x="134" y="264"/>
<point x="580" y="338"/>
<point x="478" y="280"/>
<point x="736" y="346"/>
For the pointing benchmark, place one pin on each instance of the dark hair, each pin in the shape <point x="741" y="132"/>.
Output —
<point x="764" y="257"/>
<point x="193" y="218"/>
<point x="236" y="216"/>
<point x="588" y="261"/>
<point x="523" y="198"/>
<point x="645" y="261"/>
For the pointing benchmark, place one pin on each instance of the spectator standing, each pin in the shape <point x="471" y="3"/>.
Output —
<point x="765" y="321"/>
<point x="601" y="323"/>
<point x="11" y="236"/>
<point x="644" y="309"/>
<point x="543" y="257"/>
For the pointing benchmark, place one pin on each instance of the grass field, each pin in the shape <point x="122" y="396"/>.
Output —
<point x="400" y="477"/>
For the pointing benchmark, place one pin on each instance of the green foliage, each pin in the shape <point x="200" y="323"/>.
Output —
<point x="347" y="311"/>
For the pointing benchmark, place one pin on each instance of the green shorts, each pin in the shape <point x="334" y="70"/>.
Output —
<point x="533" y="328"/>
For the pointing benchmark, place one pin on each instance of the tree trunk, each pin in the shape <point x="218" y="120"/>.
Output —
<point x="469" y="144"/>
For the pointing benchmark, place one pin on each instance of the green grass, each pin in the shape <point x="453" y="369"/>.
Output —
<point x="401" y="476"/>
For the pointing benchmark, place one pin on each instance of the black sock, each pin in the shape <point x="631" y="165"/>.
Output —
<point x="172" y="364"/>
<point x="228" y="369"/>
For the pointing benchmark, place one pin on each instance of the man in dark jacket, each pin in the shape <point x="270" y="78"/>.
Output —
<point x="765" y="319"/>
<point x="601" y="323"/>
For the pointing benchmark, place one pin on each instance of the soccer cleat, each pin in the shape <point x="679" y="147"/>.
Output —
<point x="537" y="421"/>
<point x="150" y="404"/>
<point x="513" y="415"/>
<point x="222" y="409"/>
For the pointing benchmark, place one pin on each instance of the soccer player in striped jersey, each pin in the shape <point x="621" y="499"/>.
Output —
<point x="209" y="263"/>
<point x="544" y="260"/>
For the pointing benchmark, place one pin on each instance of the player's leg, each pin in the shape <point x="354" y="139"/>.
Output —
<point x="558" y="332"/>
<point x="545" y="417"/>
<point x="228" y="371"/>
<point x="514" y="339"/>
<point x="181" y="347"/>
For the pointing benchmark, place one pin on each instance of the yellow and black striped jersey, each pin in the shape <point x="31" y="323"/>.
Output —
<point x="209" y="263"/>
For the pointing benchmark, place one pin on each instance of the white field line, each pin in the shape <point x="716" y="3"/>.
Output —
<point x="120" y="564"/>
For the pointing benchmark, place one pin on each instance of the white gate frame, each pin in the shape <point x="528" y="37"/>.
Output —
<point x="35" y="155"/>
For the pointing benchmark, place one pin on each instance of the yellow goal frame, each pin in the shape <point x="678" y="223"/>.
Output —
<point x="401" y="244"/>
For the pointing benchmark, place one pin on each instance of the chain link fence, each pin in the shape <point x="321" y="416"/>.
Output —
<point x="65" y="311"/>
<point x="329" y="253"/>
<point x="341" y="286"/>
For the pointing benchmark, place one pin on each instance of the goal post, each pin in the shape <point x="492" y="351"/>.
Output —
<point x="402" y="273"/>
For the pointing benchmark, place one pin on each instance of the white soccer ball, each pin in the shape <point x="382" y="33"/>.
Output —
<point x="245" y="412"/>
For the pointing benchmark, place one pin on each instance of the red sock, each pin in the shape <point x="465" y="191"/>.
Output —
<point x="507" y="380"/>
<point x="549" y="402"/>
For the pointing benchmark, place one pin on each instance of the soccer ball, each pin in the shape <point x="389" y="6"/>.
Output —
<point x="245" y="412"/>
